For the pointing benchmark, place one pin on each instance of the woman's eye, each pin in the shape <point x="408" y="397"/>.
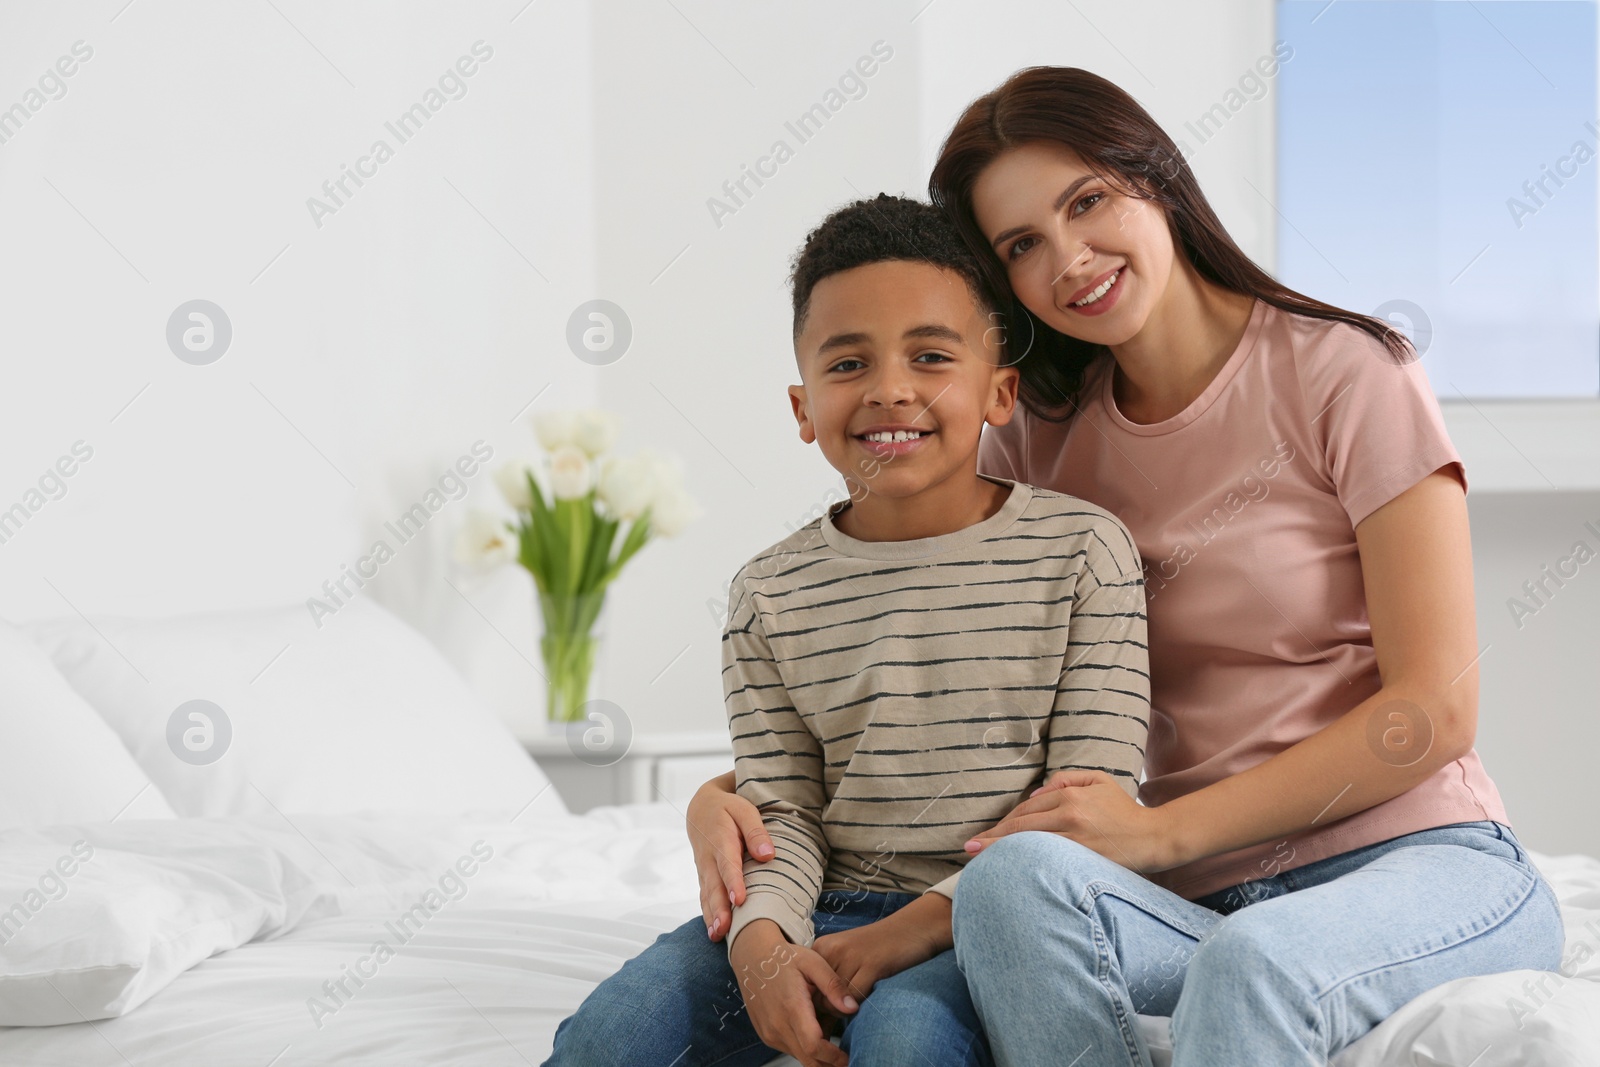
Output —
<point x="1096" y="197"/>
<point x="1017" y="247"/>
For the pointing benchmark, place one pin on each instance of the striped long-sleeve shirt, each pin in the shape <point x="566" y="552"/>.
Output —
<point x="888" y="700"/>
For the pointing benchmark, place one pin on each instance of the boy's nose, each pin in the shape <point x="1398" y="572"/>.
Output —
<point x="891" y="387"/>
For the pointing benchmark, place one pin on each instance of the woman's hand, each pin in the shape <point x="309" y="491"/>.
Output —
<point x="1092" y="809"/>
<point x="722" y="825"/>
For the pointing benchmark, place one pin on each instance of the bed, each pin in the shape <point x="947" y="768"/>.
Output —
<point x="161" y="903"/>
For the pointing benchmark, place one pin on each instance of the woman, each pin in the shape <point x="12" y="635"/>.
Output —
<point x="1318" y="842"/>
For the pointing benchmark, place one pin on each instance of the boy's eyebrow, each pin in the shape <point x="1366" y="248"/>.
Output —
<point x="1066" y="194"/>
<point x="935" y="330"/>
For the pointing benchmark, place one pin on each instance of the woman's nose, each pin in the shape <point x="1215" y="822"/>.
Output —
<point x="1066" y="261"/>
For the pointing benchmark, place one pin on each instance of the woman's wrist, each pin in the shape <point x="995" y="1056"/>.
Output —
<point x="1180" y="842"/>
<point x="721" y="784"/>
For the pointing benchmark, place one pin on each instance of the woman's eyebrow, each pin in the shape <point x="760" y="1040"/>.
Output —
<point x="1059" y="202"/>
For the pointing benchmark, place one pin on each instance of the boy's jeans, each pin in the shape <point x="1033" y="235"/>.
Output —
<point x="1061" y="946"/>
<point x="676" y="1005"/>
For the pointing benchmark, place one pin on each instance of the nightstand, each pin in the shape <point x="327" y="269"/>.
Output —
<point x="655" y="767"/>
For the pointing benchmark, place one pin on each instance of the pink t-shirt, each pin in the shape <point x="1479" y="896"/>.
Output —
<point x="1243" y="507"/>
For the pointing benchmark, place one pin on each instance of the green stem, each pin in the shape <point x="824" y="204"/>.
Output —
<point x="568" y="649"/>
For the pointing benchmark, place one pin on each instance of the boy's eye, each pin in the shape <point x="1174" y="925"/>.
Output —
<point x="840" y="365"/>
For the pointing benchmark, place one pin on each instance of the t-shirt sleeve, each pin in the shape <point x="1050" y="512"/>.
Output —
<point x="1376" y="417"/>
<point x="777" y="764"/>
<point x="1002" y="450"/>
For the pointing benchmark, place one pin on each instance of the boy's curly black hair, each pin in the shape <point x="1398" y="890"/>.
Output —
<point x="880" y="228"/>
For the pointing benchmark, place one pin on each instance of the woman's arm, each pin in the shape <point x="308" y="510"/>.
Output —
<point x="1416" y="562"/>
<point x="722" y="825"/>
<point x="1416" y="567"/>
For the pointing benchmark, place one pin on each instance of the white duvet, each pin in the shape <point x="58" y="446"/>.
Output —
<point x="368" y="939"/>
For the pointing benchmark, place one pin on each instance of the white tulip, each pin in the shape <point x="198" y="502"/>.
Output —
<point x="512" y="479"/>
<point x="485" y="541"/>
<point x="596" y="431"/>
<point x="556" y="428"/>
<point x="669" y="471"/>
<point x="629" y="484"/>
<point x="672" y="511"/>
<point x="569" y="472"/>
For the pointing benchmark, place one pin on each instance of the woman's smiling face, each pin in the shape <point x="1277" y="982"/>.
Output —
<point x="1063" y="233"/>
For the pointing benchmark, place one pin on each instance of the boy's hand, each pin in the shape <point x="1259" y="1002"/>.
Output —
<point x="865" y="956"/>
<point x="778" y="980"/>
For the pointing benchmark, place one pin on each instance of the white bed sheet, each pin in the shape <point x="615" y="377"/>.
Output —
<point x="564" y="904"/>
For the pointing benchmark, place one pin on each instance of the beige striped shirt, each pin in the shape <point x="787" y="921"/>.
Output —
<point x="888" y="700"/>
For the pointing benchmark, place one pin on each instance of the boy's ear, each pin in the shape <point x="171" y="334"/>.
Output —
<point x="1003" y="396"/>
<point x="797" y="401"/>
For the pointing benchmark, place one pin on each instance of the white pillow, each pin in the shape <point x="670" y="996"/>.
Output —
<point x="102" y="917"/>
<point x="255" y="712"/>
<point x="59" y="762"/>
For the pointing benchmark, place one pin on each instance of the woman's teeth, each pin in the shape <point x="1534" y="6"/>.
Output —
<point x="895" y="435"/>
<point x="1105" y="287"/>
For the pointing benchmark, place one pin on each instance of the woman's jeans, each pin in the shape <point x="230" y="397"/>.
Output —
<point x="676" y="1005"/>
<point x="1061" y="947"/>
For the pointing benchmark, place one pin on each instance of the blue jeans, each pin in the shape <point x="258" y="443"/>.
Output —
<point x="677" y="1004"/>
<point x="1061" y="947"/>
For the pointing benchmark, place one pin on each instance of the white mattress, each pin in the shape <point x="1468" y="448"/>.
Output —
<point x="487" y="978"/>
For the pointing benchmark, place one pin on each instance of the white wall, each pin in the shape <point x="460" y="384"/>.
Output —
<point x="1539" y="680"/>
<point x="432" y="307"/>
<point x="373" y="351"/>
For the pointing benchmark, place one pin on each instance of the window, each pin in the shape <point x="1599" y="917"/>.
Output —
<point x="1437" y="165"/>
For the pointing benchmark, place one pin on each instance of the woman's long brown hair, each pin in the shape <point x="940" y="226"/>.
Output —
<point x="1119" y="141"/>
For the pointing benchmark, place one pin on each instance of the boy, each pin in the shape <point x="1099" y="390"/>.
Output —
<point x="899" y="674"/>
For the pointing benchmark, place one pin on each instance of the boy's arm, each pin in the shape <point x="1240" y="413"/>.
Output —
<point x="778" y="768"/>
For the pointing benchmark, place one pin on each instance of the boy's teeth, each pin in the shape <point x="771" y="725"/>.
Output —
<point x="1105" y="287"/>
<point x="887" y="436"/>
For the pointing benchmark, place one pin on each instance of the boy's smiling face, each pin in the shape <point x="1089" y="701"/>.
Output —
<point x="899" y="346"/>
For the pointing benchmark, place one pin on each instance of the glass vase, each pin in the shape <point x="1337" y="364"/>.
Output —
<point x="568" y="647"/>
